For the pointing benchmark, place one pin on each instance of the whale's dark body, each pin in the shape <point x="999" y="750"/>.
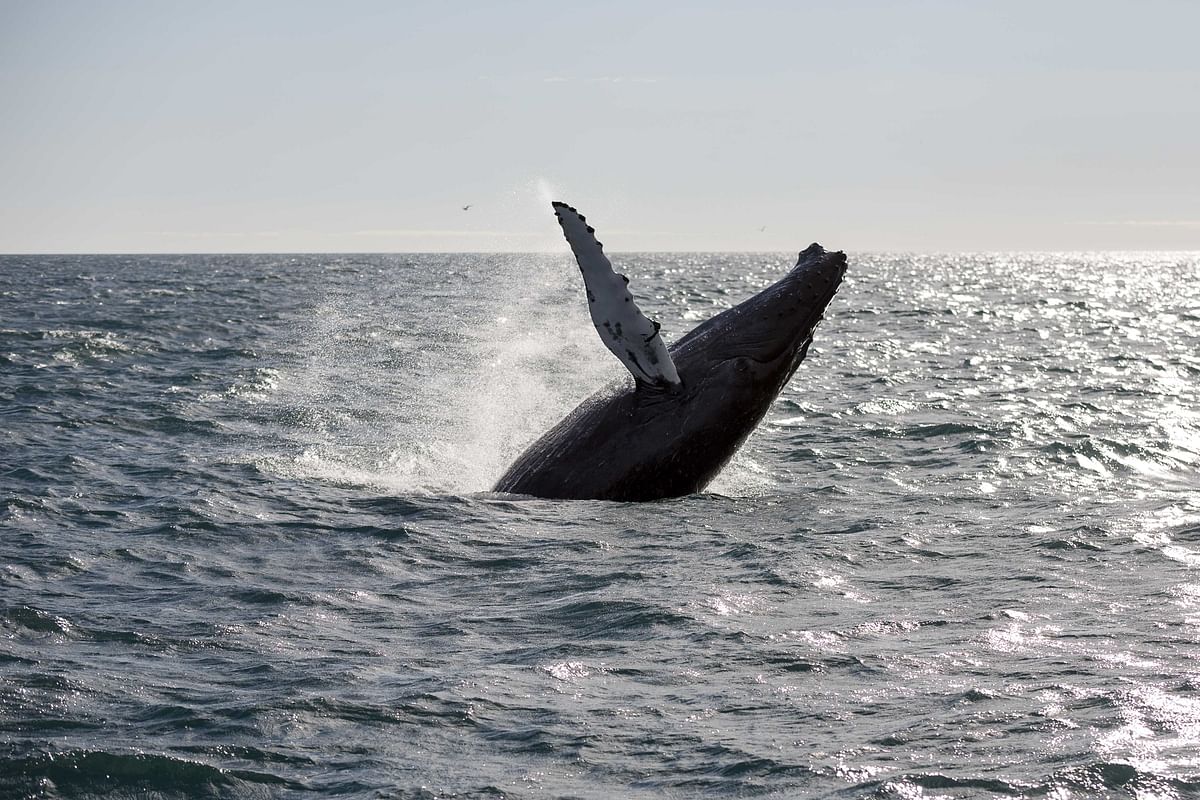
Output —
<point x="636" y="441"/>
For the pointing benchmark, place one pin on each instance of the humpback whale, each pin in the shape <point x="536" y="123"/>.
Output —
<point x="670" y="430"/>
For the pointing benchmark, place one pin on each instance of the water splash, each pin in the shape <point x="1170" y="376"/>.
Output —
<point x="546" y="193"/>
<point x="441" y="407"/>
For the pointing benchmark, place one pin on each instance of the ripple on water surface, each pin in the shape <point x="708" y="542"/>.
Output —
<point x="248" y="548"/>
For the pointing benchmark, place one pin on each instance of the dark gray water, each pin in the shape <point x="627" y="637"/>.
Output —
<point x="247" y="549"/>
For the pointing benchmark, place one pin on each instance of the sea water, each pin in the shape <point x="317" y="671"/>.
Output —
<point x="248" y="549"/>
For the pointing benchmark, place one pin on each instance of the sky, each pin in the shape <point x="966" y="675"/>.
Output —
<point x="259" y="126"/>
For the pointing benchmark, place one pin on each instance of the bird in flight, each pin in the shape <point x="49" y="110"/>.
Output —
<point x="467" y="207"/>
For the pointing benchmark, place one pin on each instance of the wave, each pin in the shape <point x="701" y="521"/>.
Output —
<point x="104" y="774"/>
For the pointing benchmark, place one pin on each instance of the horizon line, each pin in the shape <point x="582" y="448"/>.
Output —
<point x="867" y="251"/>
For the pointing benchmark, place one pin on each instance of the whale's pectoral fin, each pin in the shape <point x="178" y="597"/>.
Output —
<point x="624" y="329"/>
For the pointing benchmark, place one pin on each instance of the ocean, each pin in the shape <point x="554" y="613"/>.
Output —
<point x="248" y="547"/>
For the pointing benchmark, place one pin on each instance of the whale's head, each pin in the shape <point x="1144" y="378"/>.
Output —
<point x="735" y="364"/>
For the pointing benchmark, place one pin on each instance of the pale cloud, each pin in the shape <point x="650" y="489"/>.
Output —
<point x="441" y="232"/>
<point x="214" y="234"/>
<point x="599" y="79"/>
<point x="1148" y="223"/>
<point x="377" y="232"/>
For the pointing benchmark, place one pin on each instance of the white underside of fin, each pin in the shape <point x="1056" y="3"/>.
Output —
<point x="624" y="329"/>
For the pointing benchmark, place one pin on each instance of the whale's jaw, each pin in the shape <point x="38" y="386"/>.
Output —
<point x="770" y="331"/>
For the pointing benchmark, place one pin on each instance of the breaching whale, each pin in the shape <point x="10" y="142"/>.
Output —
<point x="670" y="430"/>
